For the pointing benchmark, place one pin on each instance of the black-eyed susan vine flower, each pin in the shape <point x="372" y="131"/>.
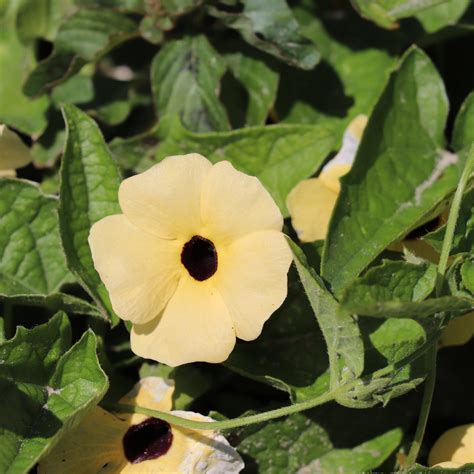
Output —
<point x="312" y="201"/>
<point x="454" y="448"/>
<point x="124" y="443"/>
<point x="196" y="259"/>
<point x="13" y="152"/>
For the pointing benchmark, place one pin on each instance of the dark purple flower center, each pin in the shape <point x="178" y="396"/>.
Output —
<point x="150" y="439"/>
<point x="199" y="256"/>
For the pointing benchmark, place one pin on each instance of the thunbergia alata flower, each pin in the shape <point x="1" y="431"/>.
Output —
<point x="454" y="448"/>
<point x="196" y="259"/>
<point x="136" y="444"/>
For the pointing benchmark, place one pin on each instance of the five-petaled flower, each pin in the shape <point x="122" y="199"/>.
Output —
<point x="125" y="443"/>
<point x="454" y="448"/>
<point x="196" y="259"/>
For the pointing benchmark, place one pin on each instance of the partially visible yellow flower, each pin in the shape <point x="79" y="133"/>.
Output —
<point x="458" y="332"/>
<point x="454" y="448"/>
<point x="135" y="444"/>
<point x="13" y="152"/>
<point x="312" y="201"/>
<point x="196" y="259"/>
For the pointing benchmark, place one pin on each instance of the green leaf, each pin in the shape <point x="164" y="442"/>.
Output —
<point x="290" y="354"/>
<point x="16" y="110"/>
<point x="261" y="83"/>
<point x="341" y="333"/>
<point x="89" y="191"/>
<point x="270" y="26"/>
<point x="54" y="302"/>
<point x="32" y="261"/>
<point x="463" y="133"/>
<point x="442" y="15"/>
<point x="336" y="90"/>
<point x="46" y="391"/>
<point x="400" y="175"/>
<point x="395" y="281"/>
<point x="91" y="33"/>
<point x="385" y="13"/>
<point x="41" y="19"/>
<point x="185" y="79"/>
<point x="300" y="444"/>
<point x="77" y="90"/>
<point x="362" y="458"/>
<point x="83" y="37"/>
<point x="279" y="155"/>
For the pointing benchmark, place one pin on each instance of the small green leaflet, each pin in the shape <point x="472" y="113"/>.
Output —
<point x="46" y="390"/>
<point x="89" y="191"/>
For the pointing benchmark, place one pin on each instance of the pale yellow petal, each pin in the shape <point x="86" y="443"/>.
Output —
<point x="139" y="270"/>
<point x="234" y="204"/>
<point x="195" y="326"/>
<point x="13" y="152"/>
<point x="165" y="200"/>
<point x="95" y="446"/>
<point x="154" y="393"/>
<point x="458" y="332"/>
<point x="252" y="279"/>
<point x="456" y="445"/>
<point x="330" y="176"/>
<point x="310" y="205"/>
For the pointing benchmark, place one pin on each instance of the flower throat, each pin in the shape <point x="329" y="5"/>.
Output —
<point x="199" y="256"/>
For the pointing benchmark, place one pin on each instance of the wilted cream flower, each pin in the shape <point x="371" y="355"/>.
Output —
<point x="125" y="443"/>
<point x="454" y="448"/>
<point x="312" y="201"/>
<point x="196" y="259"/>
<point x="13" y="152"/>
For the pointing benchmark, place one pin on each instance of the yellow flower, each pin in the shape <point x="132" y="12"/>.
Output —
<point x="454" y="448"/>
<point x="312" y="201"/>
<point x="13" y="152"/>
<point x="196" y="259"/>
<point x="124" y="443"/>
<point x="458" y="332"/>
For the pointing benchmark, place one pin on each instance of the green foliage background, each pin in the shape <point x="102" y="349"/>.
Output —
<point x="102" y="89"/>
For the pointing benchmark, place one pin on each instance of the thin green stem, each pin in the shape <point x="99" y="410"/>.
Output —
<point x="272" y="414"/>
<point x="428" y="392"/>
<point x="452" y="219"/>
<point x="430" y="381"/>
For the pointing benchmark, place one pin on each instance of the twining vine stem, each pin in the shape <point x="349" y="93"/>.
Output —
<point x="442" y="266"/>
<point x="272" y="414"/>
